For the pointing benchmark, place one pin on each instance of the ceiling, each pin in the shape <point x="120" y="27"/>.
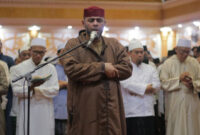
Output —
<point x="53" y="15"/>
<point x="119" y="13"/>
<point x="63" y="1"/>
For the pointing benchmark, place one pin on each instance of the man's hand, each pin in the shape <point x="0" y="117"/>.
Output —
<point x="150" y="89"/>
<point x="186" y="79"/>
<point x="38" y="83"/>
<point x="63" y="84"/>
<point x="111" y="71"/>
<point x="185" y="76"/>
<point x="189" y="85"/>
<point x="132" y="93"/>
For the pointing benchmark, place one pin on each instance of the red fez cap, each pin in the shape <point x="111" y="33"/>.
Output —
<point x="93" y="11"/>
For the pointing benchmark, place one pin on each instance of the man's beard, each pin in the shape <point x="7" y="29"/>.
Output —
<point x="139" y="62"/>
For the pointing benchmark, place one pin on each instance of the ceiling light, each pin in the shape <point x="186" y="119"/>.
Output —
<point x="69" y="27"/>
<point x="196" y="23"/>
<point x="34" y="28"/>
<point x="165" y="29"/>
<point x="180" y="25"/>
<point x="137" y="28"/>
<point x="106" y="29"/>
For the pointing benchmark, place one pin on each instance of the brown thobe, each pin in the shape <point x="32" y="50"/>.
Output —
<point x="95" y="104"/>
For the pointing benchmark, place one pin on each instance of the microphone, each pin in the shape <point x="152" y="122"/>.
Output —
<point x="93" y="35"/>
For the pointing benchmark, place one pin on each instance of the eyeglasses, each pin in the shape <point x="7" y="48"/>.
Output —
<point x="38" y="52"/>
<point x="99" y="20"/>
<point x="182" y="51"/>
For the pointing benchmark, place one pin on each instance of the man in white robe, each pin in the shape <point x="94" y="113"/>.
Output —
<point x="24" y="54"/>
<point x="41" y="104"/>
<point x="180" y="78"/>
<point x="138" y="93"/>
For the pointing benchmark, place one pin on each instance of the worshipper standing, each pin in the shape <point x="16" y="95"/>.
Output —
<point x="60" y="101"/>
<point x="5" y="66"/>
<point x="171" y="53"/>
<point x="147" y="57"/>
<point x="5" y="58"/>
<point x="180" y="78"/>
<point x="161" y="105"/>
<point x="42" y="92"/>
<point x="138" y="93"/>
<point x="94" y="101"/>
<point x="156" y="61"/>
<point x="161" y="96"/>
<point x="24" y="54"/>
<point x="197" y="55"/>
<point x="10" y="62"/>
<point x="196" y="51"/>
<point x="3" y="97"/>
<point x="4" y="83"/>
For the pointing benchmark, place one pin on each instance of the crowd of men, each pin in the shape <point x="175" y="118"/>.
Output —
<point x="101" y="88"/>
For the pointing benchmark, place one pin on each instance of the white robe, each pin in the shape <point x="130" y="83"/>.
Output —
<point x="182" y="105"/>
<point x="41" y="104"/>
<point x="140" y="104"/>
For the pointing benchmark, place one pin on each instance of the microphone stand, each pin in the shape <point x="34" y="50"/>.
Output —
<point x="28" y="78"/>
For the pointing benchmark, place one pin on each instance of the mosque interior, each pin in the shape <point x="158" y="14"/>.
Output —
<point x="156" y="23"/>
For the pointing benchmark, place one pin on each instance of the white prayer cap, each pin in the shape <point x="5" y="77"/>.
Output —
<point x="38" y="42"/>
<point x="134" y="44"/>
<point x="24" y="48"/>
<point x="60" y="46"/>
<point x="184" y="43"/>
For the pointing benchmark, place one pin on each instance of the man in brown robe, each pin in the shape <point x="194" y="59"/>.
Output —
<point x="95" y="103"/>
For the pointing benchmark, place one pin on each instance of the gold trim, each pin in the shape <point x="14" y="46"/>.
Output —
<point x="180" y="10"/>
<point x="63" y="13"/>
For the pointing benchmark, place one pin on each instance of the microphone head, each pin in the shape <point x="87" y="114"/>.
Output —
<point x="93" y="34"/>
